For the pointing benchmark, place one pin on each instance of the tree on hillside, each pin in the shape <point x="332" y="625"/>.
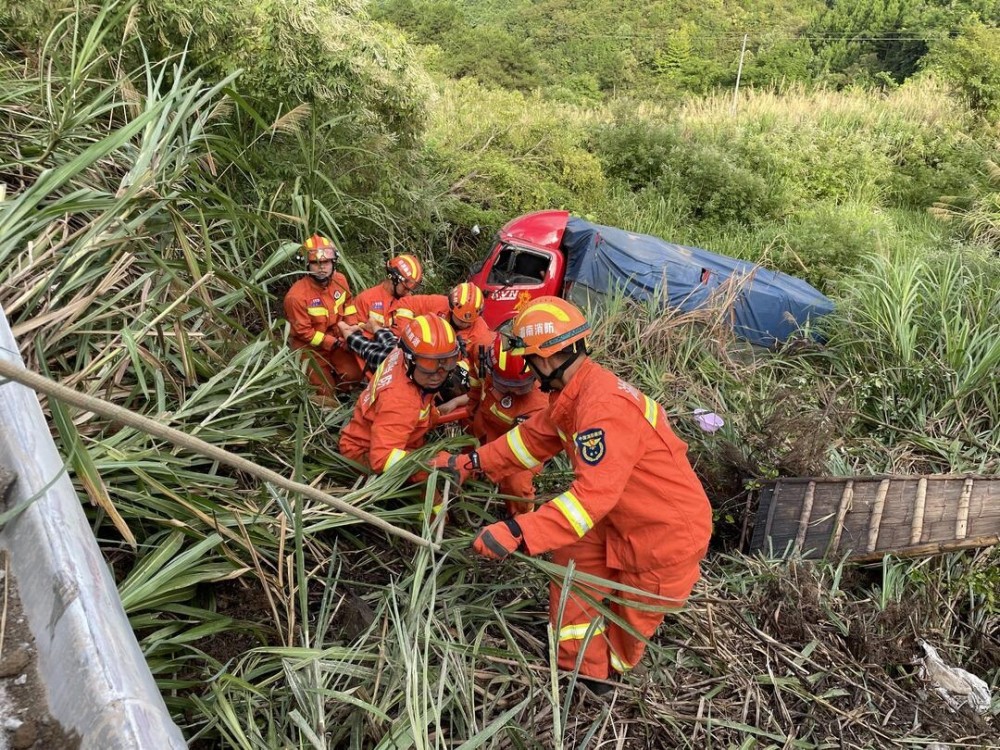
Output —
<point x="971" y="63"/>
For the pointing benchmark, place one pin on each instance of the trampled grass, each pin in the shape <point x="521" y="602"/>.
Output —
<point x="270" y="621"/>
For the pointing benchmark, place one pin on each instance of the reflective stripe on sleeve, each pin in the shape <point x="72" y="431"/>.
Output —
<point x="350" y="310"/>
<point x="516" y="443"/>
<point x="579" y="631"/>
<point x="318" y="312"/>
<point x="500" y="415"/>
<point x="651" y="411"/>
<point x="395" y="456"/>
<point x="317" y="338"/>
<point x="574" y="512"/>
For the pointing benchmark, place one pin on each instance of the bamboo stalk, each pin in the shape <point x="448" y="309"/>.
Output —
<point x="917" y="525"/>
<point x="875" y="522"/>
<point x="962" y="519"/>
<point x="804" y="515"/>
<point x="846" y="501"/>
<point x="123" y="416"/>
<point x="930" y="548"/>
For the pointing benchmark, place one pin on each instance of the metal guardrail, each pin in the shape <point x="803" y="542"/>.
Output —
<point x="97" y="680"/>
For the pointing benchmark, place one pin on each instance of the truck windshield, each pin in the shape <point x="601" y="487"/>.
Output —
<point x="518" y="265"/>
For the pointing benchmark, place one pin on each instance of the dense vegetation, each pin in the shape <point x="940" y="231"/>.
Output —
<point x="159" y="163"/>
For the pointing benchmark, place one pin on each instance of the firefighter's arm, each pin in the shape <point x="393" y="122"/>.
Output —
<point x="355" y="311"/>
<point x="608" y="451"/>
<point x="392" y="426"/>
<point x="527" y="446"/>
<point x="304" y="326"/>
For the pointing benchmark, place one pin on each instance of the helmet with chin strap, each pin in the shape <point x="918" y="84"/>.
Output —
<point x="466" y="302"/>
<point x="548" y="326"/>
<point x="406" y="270"/>
<point x="318" y="249"/>
<point x="429" y="345"/>
<point x="510" y="372"/>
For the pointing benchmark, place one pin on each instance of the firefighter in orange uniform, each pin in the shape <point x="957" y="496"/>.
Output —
<point x="396" y="409"/>
<point x="376" y="306"/>
<point x="635" y="513"/>
<point x="313" y="306"/>
<point x="508" y="395"/>
<point x="463" y="308"/>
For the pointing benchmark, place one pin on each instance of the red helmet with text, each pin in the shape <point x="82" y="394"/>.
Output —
<point x="430" y="344"/>
<point x="406" y="270"/>
<point x="466" y="302"/>
<point x="318" y="248"/>
<point x="546" y="326"/>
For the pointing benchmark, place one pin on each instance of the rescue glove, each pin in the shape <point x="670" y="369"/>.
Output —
<point x="460" y="466"/>
<point x="498" y="540"/>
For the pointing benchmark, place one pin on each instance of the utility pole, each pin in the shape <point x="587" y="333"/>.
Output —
<point x="739" y="72"/>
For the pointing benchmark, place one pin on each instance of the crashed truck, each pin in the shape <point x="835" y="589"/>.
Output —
<point x="554" y="253"/>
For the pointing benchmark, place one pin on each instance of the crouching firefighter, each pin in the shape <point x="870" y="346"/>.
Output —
<point x="396" y="409"/>
<point x="635" y="513"/>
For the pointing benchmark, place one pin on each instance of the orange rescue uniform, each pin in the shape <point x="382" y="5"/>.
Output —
<point x="375" y="303"/>
<point x="494" y="414"/>
<point x="391" y="418"/>
<point x="635" y="514"/>
<point x="313" y="311"/>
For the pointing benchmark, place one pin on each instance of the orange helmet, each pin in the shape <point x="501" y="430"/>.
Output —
<point x="430" y="344"/>
<point x="547" y="325"/>
<point x="318" y="248"/>
<point x="466" y="302"/>
<point x="510" y="371"/>
<point x="405" y="270"/>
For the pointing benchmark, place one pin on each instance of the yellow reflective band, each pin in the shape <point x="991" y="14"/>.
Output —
<point x="317" y="338"/>
<point x="500" y="415"/>
<point x="651" y="410"/>
<point x="618" y="665"/>
<point x="338" y="303"/>
<point x="516" y="443"/>
<point x="579" y="632"/>
<point x="404" y="312"/>
<point x="378" y="317"/>
<point x="425" y="328"/>
<point x="350" y="310"/>
<point x="310" y="244"/>
<point x="425" y="413"/>
<point x="562" y="435"/>
<point x="463" y="296"/>
<point x="574" y="512"/>
<point x="317" y="312"/>
<point x="551" y="309"/>
<point x="395" y="456"/>
<point x="502" y="362"/>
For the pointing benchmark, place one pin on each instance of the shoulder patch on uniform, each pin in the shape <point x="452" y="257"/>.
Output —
<point x="592" y="445"/>
<point x="378" y="305"/>
<point x="316" y="302"/>
<point x="336" y="294"/>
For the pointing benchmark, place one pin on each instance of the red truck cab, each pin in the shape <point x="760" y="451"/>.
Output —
<point x="526" y="262"/>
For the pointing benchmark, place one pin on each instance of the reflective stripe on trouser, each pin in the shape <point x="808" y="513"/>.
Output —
<point x="616" y="648"/>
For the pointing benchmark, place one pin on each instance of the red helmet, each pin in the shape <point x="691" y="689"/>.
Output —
<point x="318" y="248"/>
<point x="510" y="371"/>
<point x="405" y="270"/>
<point x="430" y="344"/>
<point x="466" y="302"/>
<point x="547" y="325"/>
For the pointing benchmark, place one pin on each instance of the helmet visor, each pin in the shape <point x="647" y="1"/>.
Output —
<point x="432" y="365"/>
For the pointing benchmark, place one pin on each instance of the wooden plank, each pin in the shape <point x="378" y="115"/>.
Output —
<point x="933" y="548"/>
<point x="875" y="520"/>
<point x="846" y="500"/>
<point x="771" y="508"/>
<point x="962" y="518"/>
<point x="804" y="515"/>
<point x="917" y="527"/>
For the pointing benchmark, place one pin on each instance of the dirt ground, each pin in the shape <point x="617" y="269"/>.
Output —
<point x="24" y="716"/>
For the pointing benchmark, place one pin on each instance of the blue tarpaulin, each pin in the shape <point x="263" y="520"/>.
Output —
<point x="769" y="308"/>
